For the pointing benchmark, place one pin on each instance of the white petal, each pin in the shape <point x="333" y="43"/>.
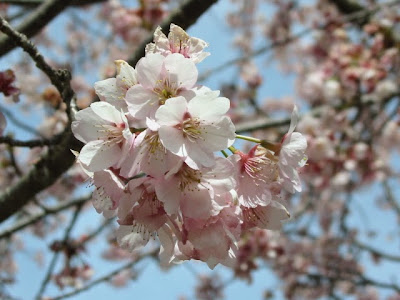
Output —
<point x="84" y="126"/>
<point x="172" y="140"/>
<point x="107" y="90"/>
<point x="98" y="156"/>
<point x="129" y="239"/>
<point x="274" y="214"/>
<point x="219" y="136"/>
<point x="126" y="77"/>
<point x="200" y="106"/>
<point x="294" y="119"/>
<point x="180" y="70"/>
<point x="107" y="112"/>
<point x="102" y="203"/>
<point x="142" y="102"/>
<point x="149" y="69"/>
<point x="172" y="112"/>
<point x="169" y="193"/>
<point x="167" y="246"/>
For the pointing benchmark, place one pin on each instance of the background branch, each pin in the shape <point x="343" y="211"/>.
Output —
<point x="35" y="22"/>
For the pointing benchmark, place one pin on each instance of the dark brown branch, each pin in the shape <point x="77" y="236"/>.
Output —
<point x="35" y="22"/>
<point x="355" y="16"/>
<point x="59" y="78"/>
<point x="35" y="3"/>
<point x="266" y="123"/>
<point x="185" y="16"/>
<point x="59" y="158"/>
<point x="13" y="161"/>
<point x="43" y="174"/>
<point x="29" y="144"/>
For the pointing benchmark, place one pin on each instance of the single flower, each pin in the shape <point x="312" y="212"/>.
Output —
<point x="194" y="130"/>
<point x="178" y="41"/>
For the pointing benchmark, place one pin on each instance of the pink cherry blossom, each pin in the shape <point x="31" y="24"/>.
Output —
<point x="105" y="130"/>
<point x="113" y="90"/>
<point x="257" y="177"/>
<point x="194" y="131"/>
<point x="7" y="79"/>
<point x="292" y="156"/>
<point x="109" y="190"/>
<point x="213" y="241"/>
<point x="197" y="194"/>
<point x="141" y="217"/>
<point x="265" y="217"/>
<point x="150" y="157"/>
<point x="178" y="41"/>
<point x="160" y="78"/>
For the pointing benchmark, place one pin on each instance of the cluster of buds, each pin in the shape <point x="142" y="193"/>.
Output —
<point x="150" y="148"/>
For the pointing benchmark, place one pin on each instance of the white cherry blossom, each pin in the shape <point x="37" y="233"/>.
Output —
<point x="178" y="41"/>
<point x="292" y="156"/>
<point x="113" y="90"/>
<point x="160" y="78"/>
<point x="196" y="129"/>
<point x="105" y="130"/>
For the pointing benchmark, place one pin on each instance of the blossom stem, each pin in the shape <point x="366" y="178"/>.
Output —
<point x="232" y="149"/>
<point x="275" y="147"/>
<point x="224" y="153"/>
<point x="135" y="130"/>
<point x="248" y="138"/>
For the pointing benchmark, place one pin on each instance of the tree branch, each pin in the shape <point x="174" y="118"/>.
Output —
<point x="43" y="174"/>
<point x="29" y="144"/>
<point x="56" y="254"/>
<point x="35" y="22"/>
<point x="185" y="16"/>
<point x="23" y="223"/>
<point x="59" y="158"/>
<point x="35" y="3"/>
<point x="59" y="78"/>
<point x="109" y="276"/>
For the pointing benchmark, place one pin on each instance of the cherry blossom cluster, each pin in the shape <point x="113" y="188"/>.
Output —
<point x="151" y="147"/>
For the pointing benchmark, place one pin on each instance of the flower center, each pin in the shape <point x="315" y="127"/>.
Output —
<point x="191" y="129"/>
<point x="189" y="179"/>
<point x="165" y="89"/>
<point x="111" y="134"/>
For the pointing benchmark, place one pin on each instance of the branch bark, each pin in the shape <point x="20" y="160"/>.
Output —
<point x="35" y="22"/>
<point x="36" y="3"/>
<point x="59" y="158"/>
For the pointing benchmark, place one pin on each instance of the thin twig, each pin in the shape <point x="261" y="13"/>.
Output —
<point x="59" y="78"/>
<point x="359" y="14"/>
<point x="31" y="143"/>
<point x="59" y="159"/>
<point x="14" y="161"/>
<point x="35" y="3"/>
<point x="56" y="254"/>
<point x="390" y="197"/>
<point x="98" y="230"/>
<point x="376" y="252"/>
<point x="21" y="125"/>
<point x="109" y="276"/>
<point x="35" y="22"/>
<point x="23" y="223"/>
